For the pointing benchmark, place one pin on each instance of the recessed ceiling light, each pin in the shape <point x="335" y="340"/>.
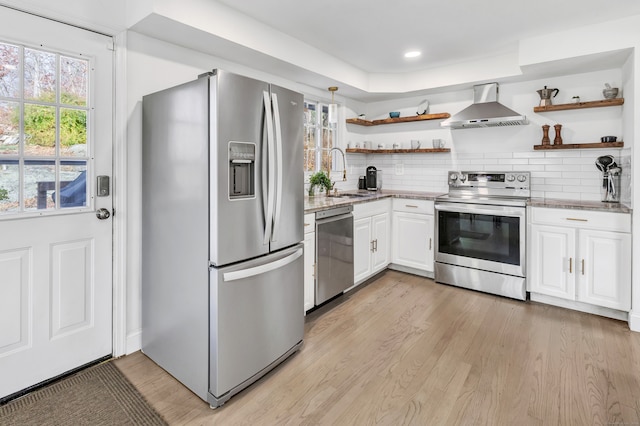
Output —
<point x="412" y="54"/>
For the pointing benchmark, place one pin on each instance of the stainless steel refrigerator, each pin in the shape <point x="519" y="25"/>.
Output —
<point x="222" y="212"/>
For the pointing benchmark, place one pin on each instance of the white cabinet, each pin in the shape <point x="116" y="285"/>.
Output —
<point x="309" y="261"/>
<point x="412" y="234"/>
<point x="371" y="232"/>
<point x="582" y="256"/>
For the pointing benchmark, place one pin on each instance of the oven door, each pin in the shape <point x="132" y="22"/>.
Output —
<point x="486" y="237"/>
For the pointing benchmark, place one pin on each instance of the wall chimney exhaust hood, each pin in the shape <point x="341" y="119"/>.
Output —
<point x="485" y="111"/>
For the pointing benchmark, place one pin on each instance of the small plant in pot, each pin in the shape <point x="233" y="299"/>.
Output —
<point x="321" y="180"/>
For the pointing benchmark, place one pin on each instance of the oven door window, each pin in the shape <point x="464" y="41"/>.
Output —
<point x="486" y="237"/>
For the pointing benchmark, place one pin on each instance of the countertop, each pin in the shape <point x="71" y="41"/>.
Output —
<point x="579" y="205"/>
<point x="322" y="202"/>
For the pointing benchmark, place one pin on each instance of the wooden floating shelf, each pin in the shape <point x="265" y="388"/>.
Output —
<point x="581" y="145"/>
<point x="580" y="105"/>
<point x="396" y="151"/>
<point x="423" y="117"/>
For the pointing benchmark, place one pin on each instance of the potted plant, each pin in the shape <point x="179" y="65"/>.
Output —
<point x="321" y="180"/>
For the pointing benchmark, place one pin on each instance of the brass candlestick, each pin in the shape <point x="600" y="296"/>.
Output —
<point x="545" y="134"/>
<point x="558" y="138"/>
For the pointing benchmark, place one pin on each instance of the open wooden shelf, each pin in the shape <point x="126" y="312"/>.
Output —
<point x="580" y="105"/>
<point x="423" y="117"/>
<point x="396" y="151"/>
<point x="581" y="145"/>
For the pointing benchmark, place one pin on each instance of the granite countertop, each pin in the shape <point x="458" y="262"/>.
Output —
<point x="322" y="202"/>
<point x="579" y="205"/>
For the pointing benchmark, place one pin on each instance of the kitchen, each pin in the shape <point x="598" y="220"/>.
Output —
<point x="569" y="66"/>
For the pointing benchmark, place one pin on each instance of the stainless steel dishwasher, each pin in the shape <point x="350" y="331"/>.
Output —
<point x="334" y="252"/>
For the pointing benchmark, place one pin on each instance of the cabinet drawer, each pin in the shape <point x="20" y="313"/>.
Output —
<point x="371" y="208"/>
<point x="309" y="223"/>
<point x="586" y="219"/>
<point x="412" y="206"/>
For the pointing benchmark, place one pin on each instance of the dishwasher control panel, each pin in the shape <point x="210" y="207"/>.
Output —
<point x="335" y="211"/>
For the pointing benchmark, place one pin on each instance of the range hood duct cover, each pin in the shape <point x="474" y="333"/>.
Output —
<point x="485" y="111"/>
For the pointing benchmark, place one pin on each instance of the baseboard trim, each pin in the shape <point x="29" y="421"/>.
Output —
<point x="134" y="342"/>
<point x="634" y="321"/>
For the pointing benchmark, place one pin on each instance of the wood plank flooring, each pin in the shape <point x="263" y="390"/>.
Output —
<point x="403" y="350"/>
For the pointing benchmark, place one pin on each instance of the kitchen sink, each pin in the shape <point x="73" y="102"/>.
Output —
<point x="352" y="195"/>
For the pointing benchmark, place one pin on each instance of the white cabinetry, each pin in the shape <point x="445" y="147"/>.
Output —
<point x="580" y="255"/>
<point x="412" y="234"/>
<point x="309" y="260"/>
<point x="371" y="232"/>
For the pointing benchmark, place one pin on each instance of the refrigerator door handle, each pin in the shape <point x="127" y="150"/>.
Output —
<point x="278" y="146"/>
<point x="257" y="270"/>
<point x="269" y="164"/>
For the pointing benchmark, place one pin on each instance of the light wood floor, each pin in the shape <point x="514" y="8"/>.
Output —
<point x="405" y="350"/>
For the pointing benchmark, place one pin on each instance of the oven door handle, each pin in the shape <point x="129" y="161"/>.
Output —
<point x="481" y="209"/>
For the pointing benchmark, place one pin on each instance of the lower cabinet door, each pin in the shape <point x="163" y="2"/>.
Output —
<point x="551" y="267"/>
<point x="381" y="231"/>
<point x="605" y="269"/>
<point x="362" y="249"/>
<point x="413" y="240"/>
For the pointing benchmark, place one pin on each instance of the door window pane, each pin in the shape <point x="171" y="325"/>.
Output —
<point x="9" y="190"/>
<point x="39" y="184"/>
<point x="39" y="75"/>
<point x="73" y="81"/>
<point x="73" y="132"/>
<point x="9" y="70"/>
<point x="39" y="130"/>
<point x="73" y="184"/>
<point x="9" y="128"/>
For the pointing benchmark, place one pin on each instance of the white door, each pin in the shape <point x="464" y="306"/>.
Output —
<point x="55" y="254"/>
<point x="381" y="231"/>
<point x="362" y="249"/>
<point x="552" y="261"/>
<point x="412" y="240"/>
<point x="604" y="269"/>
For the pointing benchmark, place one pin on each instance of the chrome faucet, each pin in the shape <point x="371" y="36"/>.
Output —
<point x="344" y="164"/>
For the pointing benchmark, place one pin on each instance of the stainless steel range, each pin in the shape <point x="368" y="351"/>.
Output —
<point x="481" y="232"/>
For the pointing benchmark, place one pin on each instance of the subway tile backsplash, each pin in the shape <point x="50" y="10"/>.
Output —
<point x="558" y="174"/>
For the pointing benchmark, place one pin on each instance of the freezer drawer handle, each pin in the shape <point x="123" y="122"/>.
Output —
<point x="257" y="270"/>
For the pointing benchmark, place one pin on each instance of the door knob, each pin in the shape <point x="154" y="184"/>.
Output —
<point x="103" y="214"/>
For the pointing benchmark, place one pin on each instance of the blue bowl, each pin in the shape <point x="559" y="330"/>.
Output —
<point x="394" y="114"/>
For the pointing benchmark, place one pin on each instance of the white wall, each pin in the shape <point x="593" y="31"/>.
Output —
<point x="566" y="174"/>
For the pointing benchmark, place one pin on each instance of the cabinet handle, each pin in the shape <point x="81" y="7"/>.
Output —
<point x="372" y="250"/>
<point x="314" y="270"/>
<point x="571" y="265"/>
<point x="307" y="224"/>
<point x="375" y="244"/>
<point x="577" y="219"/>
<point x="411" y="206"/>
<point x="582" y="266"/>
<point x="429" y="243"/>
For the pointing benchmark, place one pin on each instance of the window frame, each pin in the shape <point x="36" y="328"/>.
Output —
<point x="321" y="152"/>
<point x="58" y="159"/>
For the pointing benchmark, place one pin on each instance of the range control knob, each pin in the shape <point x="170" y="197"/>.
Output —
<point x="511" y="178"/>
<point x="453" y="176"/>
<point x="463" y="177"/>
<point x="522" y="178"/>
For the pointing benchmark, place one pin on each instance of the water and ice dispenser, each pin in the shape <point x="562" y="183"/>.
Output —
<point x="242" y="166"/>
